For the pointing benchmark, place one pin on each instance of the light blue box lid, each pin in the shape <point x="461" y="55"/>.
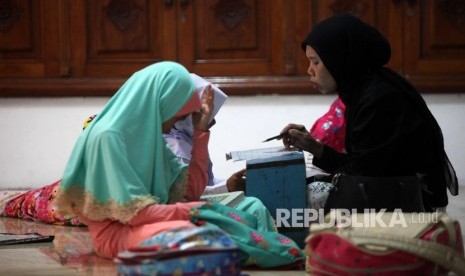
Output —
<point x="295" y="157"/>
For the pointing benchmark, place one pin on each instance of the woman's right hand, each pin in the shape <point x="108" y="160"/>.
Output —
<point x="297" y="136"/>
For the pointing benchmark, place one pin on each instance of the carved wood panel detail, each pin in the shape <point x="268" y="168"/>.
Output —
<point x="122" y="13"/>
<point x="442" y="31"/>
<point x="20" y="33"/>
<point x="231" y="28"/>
<point x="88" y="47"/>
<point x="125" y="33"/>
<point x="454" y="11"/>
<point x="9" y="14"/>
<point x="119" y="27"/>
<point x="231" y="13"/>
<point x="355" y="7"/>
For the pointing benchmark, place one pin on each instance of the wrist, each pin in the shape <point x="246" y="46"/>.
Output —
<point x="198" y="131"/>
<point x="317" y="149"/>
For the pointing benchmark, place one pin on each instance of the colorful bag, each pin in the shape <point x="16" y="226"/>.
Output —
<point x="203" y="250"/>
<point x="257" y="248"/>
<point x="389" y="244"/>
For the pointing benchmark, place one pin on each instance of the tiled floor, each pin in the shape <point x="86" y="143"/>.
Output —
<point x="71" y="252"/>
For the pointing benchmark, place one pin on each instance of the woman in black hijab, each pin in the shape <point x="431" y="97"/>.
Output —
<point x="389" y="129"/>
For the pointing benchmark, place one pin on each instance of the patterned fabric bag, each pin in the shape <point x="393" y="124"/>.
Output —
<point x="260" y="249"/>
<point x="388" y="244"/>
<point x="202" y="251"/>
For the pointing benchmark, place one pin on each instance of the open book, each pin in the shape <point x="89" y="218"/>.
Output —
<point x="231" y="199"/>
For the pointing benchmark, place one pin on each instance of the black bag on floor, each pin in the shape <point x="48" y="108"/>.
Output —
<point x="364" y="192"/>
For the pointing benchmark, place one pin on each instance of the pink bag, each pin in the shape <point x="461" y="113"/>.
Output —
<point x="426" y="244"/>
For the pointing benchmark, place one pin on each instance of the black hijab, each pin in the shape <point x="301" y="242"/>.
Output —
<point x="351" y="49"/>
<point x="348" y="48"/>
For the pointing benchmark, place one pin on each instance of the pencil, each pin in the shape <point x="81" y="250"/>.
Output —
<point x="280" y="135"/>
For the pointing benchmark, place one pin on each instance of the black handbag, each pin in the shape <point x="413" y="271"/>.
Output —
<point x="378" y="193"/>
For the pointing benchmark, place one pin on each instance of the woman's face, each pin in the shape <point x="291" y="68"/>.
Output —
<point x="320" y="77"/>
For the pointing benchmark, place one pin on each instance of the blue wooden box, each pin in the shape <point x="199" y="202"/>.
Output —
<point x="279" y="182"/>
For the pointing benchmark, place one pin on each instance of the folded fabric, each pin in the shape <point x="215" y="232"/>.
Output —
<point x="6" y="196"/>
<point x="38" y="205"/>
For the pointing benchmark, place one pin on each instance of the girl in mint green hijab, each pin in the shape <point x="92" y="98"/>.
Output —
<point x="121" y="163"/>
<point x="126" y="185"/>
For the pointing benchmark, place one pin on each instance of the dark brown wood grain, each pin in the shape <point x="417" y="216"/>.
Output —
<point x="89" y="47"/>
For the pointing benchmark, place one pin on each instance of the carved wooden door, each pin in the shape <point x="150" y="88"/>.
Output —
<point x="434" y="44"/>
<point x="230" y="38"/>
<point x="384" y="15"/>
<point x="89" y="47"/>
<point x="427" y="37"/>
<point x="223" y="37"/>
<point x="114" y="38"/>
<point x="29" y="39"/>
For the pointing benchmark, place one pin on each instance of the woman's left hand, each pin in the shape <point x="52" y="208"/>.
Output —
<point x="201" y="119"/>
<point x="237" y="181"/>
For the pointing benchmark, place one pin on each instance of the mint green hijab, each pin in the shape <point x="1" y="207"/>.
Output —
<point x="121" y="162"/>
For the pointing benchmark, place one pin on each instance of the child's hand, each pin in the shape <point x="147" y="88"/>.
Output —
<point x="237" y="181"/>
<point x="201" y="119"/>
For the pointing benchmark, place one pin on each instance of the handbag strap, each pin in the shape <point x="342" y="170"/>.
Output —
<point x="449" y="224"/>
<point x="444" y="256"/>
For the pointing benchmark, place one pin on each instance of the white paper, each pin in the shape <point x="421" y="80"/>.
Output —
<point x="220" y="96"/>
<point x="259" y="153"/>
